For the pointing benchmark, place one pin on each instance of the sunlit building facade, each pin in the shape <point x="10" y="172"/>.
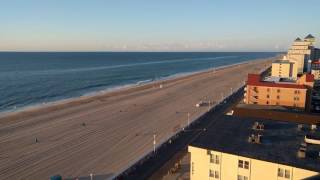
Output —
<point x="248" y="149"/>
<point x="278" y="91"/>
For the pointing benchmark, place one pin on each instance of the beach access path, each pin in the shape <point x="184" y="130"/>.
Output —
<point x="106" y="133"/>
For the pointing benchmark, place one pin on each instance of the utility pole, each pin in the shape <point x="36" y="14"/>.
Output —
<point x="188" y="119"/>
<point x="154" y="143"/>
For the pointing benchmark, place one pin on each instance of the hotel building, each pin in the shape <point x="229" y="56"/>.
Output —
<point x="279" y="91"/>
<point x="250" y="149"/>
<point x="284" y="68"/>
<point x="300" y="52"/>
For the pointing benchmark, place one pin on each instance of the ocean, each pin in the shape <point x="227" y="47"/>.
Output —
<point x="34" y="78"/>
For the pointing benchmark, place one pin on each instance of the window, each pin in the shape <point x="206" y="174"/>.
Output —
<point x="296" y="98"/>
<point x="211" y="173"/>
<point x="277" y="103"/>
<point x="267" y="102"/>
<point x="268" y="96"/>
<point x="296" y="92"/>
<point x="287" y="174"/>
<point x="278" y="90"/>
<point x="243" y="164"/>
<point x="216" y="174"/>
<point x="240" y="164"/>
<point x="214" y="159"/>
<point x="278" y="97"/>
<point x="240" y="177"/>
<point x="246" y="164"/>
<point x="280" y="172"/>
<point x="268" y="89"/>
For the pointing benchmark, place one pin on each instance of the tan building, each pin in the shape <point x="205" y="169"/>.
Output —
<point x="279" y="91"/>
<point x="283" y="68"/>
<point x="315" y="69"/>
<point x="248" y="149"/>
<point x="300" y="52"/>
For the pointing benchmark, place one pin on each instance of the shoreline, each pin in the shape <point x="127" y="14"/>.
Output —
<point x="116" y="89"/>
<point x="106" y="133"/>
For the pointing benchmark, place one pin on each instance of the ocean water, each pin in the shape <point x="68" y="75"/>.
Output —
<point x="28" y="79"/>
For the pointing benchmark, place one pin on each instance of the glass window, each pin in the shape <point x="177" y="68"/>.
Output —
<point x="211" y="173"/>
<point x="287" y="174"/>
<point x="217" y="159"/>
<point x="216" y="174"/>
<point x="246" y="164"/>
<point x="280" y="172"/>
<point x="278" y="90"/>
<point x="214" y="159"/>
<point x="240" y="177"/>
<point x="211" y="158"/>
<point x="240" y="164"/>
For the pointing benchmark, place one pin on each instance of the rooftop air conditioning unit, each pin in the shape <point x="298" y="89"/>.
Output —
<point x="301" y="153"/>
<point x="255" y="138"/>
<point x="258" y="126"/>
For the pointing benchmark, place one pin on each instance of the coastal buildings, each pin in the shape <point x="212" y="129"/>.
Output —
<point x="283" y="68"/>
<point x="278" y="91"/>
<point x="300" y="52"/>
<point x="315" y="69"/>
<point x="273" y="135"/>
<point x="255" y="149"/>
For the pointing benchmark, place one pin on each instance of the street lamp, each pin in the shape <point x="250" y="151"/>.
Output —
<point x="154" y="143"/>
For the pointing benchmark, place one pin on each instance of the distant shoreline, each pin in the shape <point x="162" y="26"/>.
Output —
<point x="116" y="89"/>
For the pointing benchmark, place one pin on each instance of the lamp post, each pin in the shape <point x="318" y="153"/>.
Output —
<point x="154" y="143"/>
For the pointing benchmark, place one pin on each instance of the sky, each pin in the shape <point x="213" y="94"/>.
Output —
<point x="156" y="25"/>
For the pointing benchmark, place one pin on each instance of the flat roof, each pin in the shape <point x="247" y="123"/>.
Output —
<point x="255" y="80"/>
<point x="280" y="141"/>
<point x="283" y="62"/>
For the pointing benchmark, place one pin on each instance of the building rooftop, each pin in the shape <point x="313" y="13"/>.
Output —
<point x="255" y="80"/>
<point x="298" y="39"/>
<point x="309" y="37"/>
<point x="283" y="62"/>
<point x="280" y="141"/>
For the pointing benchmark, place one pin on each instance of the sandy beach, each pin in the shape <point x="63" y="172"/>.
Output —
<point x="105" y="133"/>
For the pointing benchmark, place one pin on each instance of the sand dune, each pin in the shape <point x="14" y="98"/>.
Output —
<point x="105" y="133"/>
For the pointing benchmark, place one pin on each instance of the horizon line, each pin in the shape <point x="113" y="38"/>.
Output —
<point x="139" y="51"/>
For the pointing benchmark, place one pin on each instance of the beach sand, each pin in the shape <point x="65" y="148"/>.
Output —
<point x="105" y="133"/>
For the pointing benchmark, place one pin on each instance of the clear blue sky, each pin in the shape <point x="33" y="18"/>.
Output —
<point x="155" y="25"/>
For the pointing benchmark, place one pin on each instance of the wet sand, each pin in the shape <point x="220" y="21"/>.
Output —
<point x="105" y="133"/>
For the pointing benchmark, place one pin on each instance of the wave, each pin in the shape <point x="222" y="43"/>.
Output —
<point x="64" y="71"/>
<point x="112" y="89"/>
